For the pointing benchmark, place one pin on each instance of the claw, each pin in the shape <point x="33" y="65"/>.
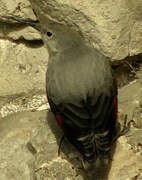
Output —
<point x="61" y="141"/>
<point x="126" y="128"/>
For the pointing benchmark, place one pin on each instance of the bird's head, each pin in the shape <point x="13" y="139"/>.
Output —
<point x="58" y="37"/>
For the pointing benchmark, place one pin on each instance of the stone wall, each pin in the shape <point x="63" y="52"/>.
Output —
<point x="23" y="58"/>
<point x="28" y="143"/>
<point x="114" y="27"/>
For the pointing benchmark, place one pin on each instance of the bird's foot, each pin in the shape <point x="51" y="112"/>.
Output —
<point x="125" y="129"/>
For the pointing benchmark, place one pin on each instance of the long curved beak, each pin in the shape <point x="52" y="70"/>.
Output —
<point x="34" y="24"/>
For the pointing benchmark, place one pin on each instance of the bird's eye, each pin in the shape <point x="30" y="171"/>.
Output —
<point x="49" y="34"/>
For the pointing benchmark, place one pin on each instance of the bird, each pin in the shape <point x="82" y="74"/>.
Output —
<point x="81" y="90"/>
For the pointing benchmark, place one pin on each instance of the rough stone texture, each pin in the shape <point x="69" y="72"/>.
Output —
<point x="29" y="146"/>
<point x="29" y="140"/>
<point x="23" y="59"/>
<point x="126" y="165"/>
<point x="128" y="105"/>
<point x="22" y="67"/>
<point x="113" y="26"/>
<point x="16" y="162"/>
<point x="13" y="31"/>
<point x="19" y="7"/>
<point x="33" y="102"/>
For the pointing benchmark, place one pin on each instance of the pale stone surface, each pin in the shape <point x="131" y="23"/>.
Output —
<point x="29" y="140"/>
<point x="126" y="164"/>
<point x="19" y="7"/>
<point x="23" y="58"/>
<point x="22" y="9"/>
<point x="129" y="98"/>
<point x="28" y="148"/>
<point x="32" y="102"/>
<point x="22" y="68"/>
<point x="114" y="27"/>
<point x="12" y="32"/>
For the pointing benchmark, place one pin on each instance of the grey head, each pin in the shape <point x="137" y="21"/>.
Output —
<point x="60" y="37"/>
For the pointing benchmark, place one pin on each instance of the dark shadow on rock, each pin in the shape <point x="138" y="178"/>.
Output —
<point x="70" y="153"/>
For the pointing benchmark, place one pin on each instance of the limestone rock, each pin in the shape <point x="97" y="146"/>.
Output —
<point x="9" y="29"/>
<point x="29" y="140"/>
<point x="114" y="27"/>
<point x="23" y="60"/>
<point x="126" y="165"/>
<point x="16" y="161"/>
<point x="29" y="150"/>
<point x="22" y="67"/>
<point x="16" y="32"/>
<point x="129" y="98"/>
<point x="19" y="7"/>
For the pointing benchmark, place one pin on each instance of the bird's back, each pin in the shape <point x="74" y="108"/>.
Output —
<point x="80" y="80"/>
<point x="78" y="73"/>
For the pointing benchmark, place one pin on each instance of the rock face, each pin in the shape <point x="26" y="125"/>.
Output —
<point x="23" y="58"/>
<point x="114" y="27"/>
<point x="29" y="139"/>
<point x="21" y="66"/>
<point x="22" y="70"/>
<point x="19" y="7"/>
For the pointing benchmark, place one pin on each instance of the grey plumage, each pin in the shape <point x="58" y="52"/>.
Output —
<point x="78" y="75"/>
<point x="82" y="88"/>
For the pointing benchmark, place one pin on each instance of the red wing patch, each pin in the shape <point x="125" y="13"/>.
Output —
<point x="59" y="120"/>
<point x="115" y="103"/>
